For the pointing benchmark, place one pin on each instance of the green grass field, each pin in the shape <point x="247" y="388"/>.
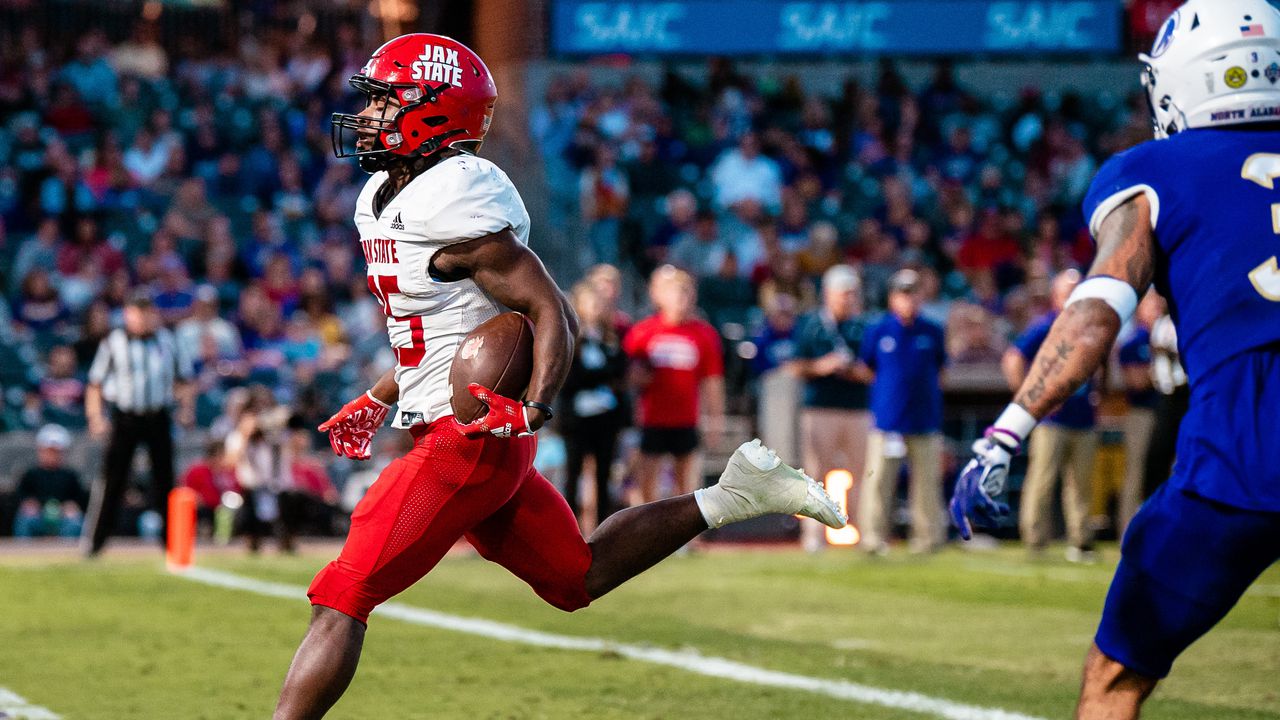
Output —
<point x="121" y="639"/>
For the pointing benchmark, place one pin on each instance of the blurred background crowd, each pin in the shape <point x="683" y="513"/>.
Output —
<point x="198" y="169"/>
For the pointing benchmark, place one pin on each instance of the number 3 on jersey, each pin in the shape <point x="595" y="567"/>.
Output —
<point x="383" y="287"/>
<point x="1264" y="168"/>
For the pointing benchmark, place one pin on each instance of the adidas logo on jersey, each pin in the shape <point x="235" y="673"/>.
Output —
<point x="396" y="224"/>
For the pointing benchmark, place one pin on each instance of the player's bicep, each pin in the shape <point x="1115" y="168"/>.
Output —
<point x="505" y="268"/>
<point x="1126" y="244"/>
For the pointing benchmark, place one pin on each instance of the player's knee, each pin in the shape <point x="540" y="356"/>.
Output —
<point x="1109" y="682"/>
<point x="569" y="603"/>
<point x="335" y="596"/>
<point x="330" y="622"/>
<point x="567" y="593"/>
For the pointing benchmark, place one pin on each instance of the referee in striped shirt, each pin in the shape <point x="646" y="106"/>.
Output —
<point x="141" y="372"/>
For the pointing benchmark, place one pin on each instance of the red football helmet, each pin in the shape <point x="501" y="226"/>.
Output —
<point x="445" y="96"/>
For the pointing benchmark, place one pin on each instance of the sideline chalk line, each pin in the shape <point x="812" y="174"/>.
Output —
<point x="686" y="660"/>
<point x="13" y="705"/>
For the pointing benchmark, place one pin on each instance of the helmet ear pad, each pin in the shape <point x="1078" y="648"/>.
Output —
<point x="420" y="131"/>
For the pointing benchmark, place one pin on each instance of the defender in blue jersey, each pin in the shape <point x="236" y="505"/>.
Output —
<point x="1197" y="213"/>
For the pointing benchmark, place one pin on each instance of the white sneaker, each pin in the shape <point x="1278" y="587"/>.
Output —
<point x="756" y="482"/>
<point x="1081" y="556"/>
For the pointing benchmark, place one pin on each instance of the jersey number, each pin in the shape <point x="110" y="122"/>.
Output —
<point x="383" y="287"/>
<point x="1264" y="168"/>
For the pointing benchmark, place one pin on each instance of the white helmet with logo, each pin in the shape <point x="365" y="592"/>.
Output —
<point x="1214" y="62"/>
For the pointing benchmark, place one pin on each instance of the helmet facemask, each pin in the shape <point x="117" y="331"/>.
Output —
<point x="386" y="130"/>
<point x="1166" y="118"/>
<point x="377" y="156"/>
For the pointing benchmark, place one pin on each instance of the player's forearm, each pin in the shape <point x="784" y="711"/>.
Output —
<point x="386" y="389"/>
<point x="1077" y="346"/>
<point x="554" y="328"/>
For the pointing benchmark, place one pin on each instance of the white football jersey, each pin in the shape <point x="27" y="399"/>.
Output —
<point x="458" y="199"/>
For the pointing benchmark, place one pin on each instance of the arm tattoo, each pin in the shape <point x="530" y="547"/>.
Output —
<point x="1126" y="245"/>
<point x="1082" y="335"/>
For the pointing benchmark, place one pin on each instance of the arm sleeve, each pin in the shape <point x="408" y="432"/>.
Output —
<point x="940" y="337"/>
<point x="1121" y="178"/>
<point x="473" y="198"/>
<point x="101" y="363"/>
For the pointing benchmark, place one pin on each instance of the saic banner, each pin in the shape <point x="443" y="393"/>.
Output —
<point x="689" y="27"/>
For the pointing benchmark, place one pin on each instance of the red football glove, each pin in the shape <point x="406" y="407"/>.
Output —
<point x="506" y="417"/>
<point x="351" y="429"/>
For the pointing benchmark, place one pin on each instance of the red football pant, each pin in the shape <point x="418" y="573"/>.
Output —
<point x="448" y="487"/>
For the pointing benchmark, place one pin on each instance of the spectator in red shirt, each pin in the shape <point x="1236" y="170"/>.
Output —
<point x="990" y="247"/>
<point x="677" y="361"/>
<point x="210" y="478"/>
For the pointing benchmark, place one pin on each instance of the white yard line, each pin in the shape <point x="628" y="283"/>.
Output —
<point x="683" y="660"/>
<point x="13" y="705"/>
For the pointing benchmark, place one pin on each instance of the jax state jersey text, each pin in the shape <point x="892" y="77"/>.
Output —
<point x="1215" y="213"/>
<point x="458" y="199"/>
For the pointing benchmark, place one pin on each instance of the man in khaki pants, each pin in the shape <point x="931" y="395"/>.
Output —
<point x="906" y="353"/>
<point x="1135" y="366"/>
<point x="834" y="420"/>
<point x="1062" y="445"/>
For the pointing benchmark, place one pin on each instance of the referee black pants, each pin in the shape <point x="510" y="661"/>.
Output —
<point x="128" y="430"/>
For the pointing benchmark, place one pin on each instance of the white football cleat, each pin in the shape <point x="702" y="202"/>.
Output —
<point x="756" y="482"/>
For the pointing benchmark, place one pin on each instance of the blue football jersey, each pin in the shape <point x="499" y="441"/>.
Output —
<point x="1215" y="209"/>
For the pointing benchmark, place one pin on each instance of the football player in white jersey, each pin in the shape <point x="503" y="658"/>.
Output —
<point x="446" y="236"/>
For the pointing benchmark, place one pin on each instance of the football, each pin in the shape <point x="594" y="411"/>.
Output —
<point x="497" y="355"/>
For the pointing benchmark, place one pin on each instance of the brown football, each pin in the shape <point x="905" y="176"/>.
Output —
<point x="499" y="356"/>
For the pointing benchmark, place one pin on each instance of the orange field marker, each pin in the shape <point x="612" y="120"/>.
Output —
<point x="181" y="541"/>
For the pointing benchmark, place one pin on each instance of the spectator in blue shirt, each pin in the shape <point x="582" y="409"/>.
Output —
<point x="834" y="420"/>
<point x="907" y="354"/>
<point x="1135" y="368"/>
<point x="1062" y="445"/>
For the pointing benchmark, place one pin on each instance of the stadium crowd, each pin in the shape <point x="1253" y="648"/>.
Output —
<point x="758" y="188"/>
<point x="767" y="192"/>
<point x="207" y="179"/>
